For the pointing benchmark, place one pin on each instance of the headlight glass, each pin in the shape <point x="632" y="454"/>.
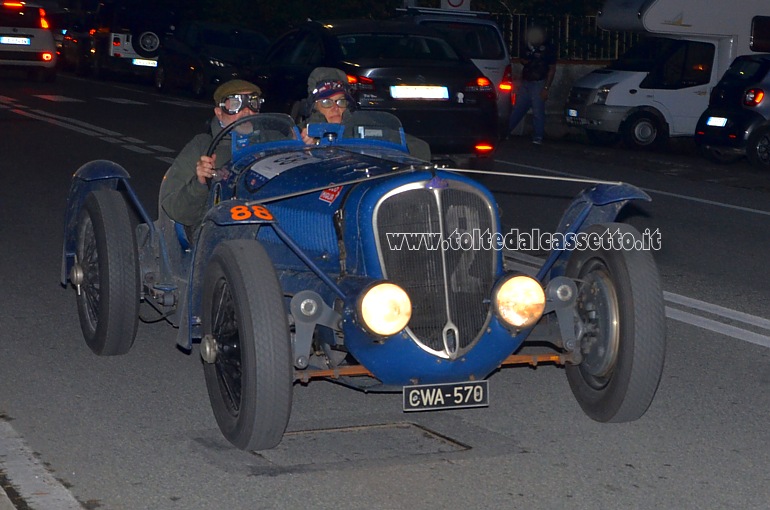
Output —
<point x="520" y="301"/>
<point x="601" y="95"/>
<point x="385" y="309"/>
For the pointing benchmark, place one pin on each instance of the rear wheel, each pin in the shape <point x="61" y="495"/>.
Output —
<point x="643" y="130"/>
<point x="250" y="375"/>
<point x="620" y="318"/>
<point x="758" y="149"/>
<point x="107" y="272"/>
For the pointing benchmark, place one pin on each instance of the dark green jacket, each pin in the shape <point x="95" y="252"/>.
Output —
<point x="182" y="197"/>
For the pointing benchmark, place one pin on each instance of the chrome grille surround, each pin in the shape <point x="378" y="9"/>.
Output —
<point x="450" y="289"/>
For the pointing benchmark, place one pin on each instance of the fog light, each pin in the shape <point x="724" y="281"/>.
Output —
<point x="519" y="301"/>
<point x="385" y="309"/>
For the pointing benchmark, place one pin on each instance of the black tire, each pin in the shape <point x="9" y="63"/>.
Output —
<point x="643" y="130"/>
<point x="720" y="156"/>
<point x="250" y="382"/>
<point x="108" y="302"/>
<point x="621" y="312"/>
<point x="601" y="138"/>
<point x="146" y="42"/>
<point x="758" y="149"/>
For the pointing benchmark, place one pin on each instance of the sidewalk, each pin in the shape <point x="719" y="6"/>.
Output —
<point x="5" y="503"/>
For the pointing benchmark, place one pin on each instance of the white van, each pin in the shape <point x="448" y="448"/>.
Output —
<point x="660" y="87"/>
<point x="26" y="41"/>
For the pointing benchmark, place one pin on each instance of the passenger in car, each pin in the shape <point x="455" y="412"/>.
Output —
<point x="329" y="101"/>
<point x="184" y="191"/>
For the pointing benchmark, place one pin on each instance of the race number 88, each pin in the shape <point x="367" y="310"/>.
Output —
<point x="245" y="212"/>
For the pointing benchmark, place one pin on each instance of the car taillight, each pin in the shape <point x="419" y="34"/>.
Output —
<point x="361" y="82"/>
<point x="43" y="21"/>
<point x="480" y="84"/>
<point x="13" y="4"/>
<point x="47" y="56"/>
<point x="484" y="148"/>
<point x="753" y="97"/>
<point x="506" y="85"/>
<point x="116" y="41"/>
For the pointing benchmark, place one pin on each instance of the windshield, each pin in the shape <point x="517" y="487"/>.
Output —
<point x="746" y="69"/>
<point x="646" y="54"/>
<point x="362" y="128"/>
<point x="396" y="47"/>
<point x="475" y="40"/>
<point x="19" y="17"/>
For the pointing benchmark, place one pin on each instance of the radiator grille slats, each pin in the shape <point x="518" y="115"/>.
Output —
<point x="449" y="287"/>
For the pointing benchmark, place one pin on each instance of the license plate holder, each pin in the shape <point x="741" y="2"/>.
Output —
<point x="434" y="397"/>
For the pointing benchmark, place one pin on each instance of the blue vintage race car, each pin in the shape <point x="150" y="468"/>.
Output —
<point x="306" y="266"/>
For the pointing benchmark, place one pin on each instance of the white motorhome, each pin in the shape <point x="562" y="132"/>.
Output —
<point x="660" y="86"/>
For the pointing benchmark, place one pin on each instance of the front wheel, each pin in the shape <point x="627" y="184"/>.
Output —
<point x="245" y="326"/>
<point x="643" y="130"/>
<point x="620" y="318"/>
<point x="107" y="274"/>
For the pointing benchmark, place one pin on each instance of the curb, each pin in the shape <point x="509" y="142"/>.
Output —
<point x="5" y="501"/>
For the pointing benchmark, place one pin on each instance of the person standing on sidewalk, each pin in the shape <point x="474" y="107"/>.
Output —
<point x="539" y="68"/>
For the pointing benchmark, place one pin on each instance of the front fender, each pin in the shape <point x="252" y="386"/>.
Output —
<point x="598" y="204"/>
<point x="98" y="174"/>
<point x="228" y="220"/>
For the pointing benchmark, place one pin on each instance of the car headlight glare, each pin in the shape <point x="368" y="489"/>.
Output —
<point x="520" y="301"/>
<point x="385" y="308"/>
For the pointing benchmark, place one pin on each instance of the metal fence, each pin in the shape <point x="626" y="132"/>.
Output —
<point x="576" y="37"/>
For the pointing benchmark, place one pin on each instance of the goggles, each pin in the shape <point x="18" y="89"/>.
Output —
<point x="328" y="103"/>
<point x="234" y="103"/>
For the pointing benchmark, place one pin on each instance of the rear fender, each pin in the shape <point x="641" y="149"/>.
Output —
<point x="599" y="204"/>
<point x="98" y="174"/>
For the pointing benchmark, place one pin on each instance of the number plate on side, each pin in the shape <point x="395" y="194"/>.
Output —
<point x="431" y="397"/>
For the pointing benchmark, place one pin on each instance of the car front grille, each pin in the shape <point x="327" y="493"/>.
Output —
<point x="449" y="286"/>
<point x="579" y="95"/>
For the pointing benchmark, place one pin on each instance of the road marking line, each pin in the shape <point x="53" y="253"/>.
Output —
<point x="76" y="122"/>
<point x="120" y="100"/>
<point x="37" y="487"/>
<point x="648" y="190"/>
<point x="729" y="313"/>
<point x="719" y="327"/>
<point x="58" y="99"/>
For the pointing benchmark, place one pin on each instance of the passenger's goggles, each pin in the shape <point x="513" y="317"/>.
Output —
<point x="328" y="103"/>
<point x="234" y="103"/>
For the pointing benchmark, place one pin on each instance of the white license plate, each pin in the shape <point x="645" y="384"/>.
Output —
<point x="716" y="121"/>
<point x="143" y="62"/>
<point x="15" y="40"/>
<point x="419" y="92"/>
<point x="432" y="397"/>
<point x="572" y="113"/>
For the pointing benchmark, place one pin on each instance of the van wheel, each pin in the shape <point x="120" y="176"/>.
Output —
<point x="643" y="131"/>
<point x="758" y="149"/>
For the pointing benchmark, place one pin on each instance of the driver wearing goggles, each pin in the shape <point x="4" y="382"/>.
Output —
<point x="184" y="192"/>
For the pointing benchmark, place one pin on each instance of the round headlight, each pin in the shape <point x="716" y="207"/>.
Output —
<point x="520" y="301"/>
<point x="385" y="309"/>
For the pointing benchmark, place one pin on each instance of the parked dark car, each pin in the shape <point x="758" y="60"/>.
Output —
<point x="75" y="53"/>
<point x="479" y="38"/>
<point x="200" y="55"/>
<point x="737" y="120"/>
<point x="394" y="66"/>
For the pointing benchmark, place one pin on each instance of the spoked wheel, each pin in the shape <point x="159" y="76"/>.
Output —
<point x="620" y="319"/>
<point x="107" y="273"/>
<point x="246" y="346"/>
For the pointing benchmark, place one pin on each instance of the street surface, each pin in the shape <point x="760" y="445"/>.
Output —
<point x="136" y="431"/>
